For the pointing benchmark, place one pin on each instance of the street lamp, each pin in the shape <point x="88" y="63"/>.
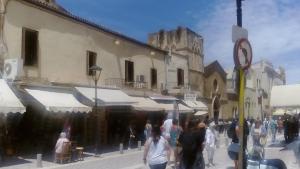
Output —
<point x="248" y="105"/>
<point x="96" y="72"/>
<point x="261" y="93"/>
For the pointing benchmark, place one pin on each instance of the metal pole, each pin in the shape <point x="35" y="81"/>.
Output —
<point x="261" y="108"/>
<point x="239" y="12"/>
<point x="248" y="110"/>
<point x="241" y="96"/>
<point x="241" y="120"/>
<point x="97" y="119"/>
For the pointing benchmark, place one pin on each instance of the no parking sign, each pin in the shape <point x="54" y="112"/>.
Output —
<point x="242" y="54"/>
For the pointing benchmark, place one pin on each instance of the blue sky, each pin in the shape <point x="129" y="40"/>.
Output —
<point x="273" y="25"/>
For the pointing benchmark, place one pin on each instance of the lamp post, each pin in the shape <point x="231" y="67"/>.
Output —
<point x="261" y="92"/>
<point x="96" y="76"/>
<point x="248" y="105"/>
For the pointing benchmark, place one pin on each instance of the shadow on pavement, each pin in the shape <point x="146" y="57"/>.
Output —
<point x="277" y="144"/>
<point x="9" y="161"/>
<point x="230" y="168"/>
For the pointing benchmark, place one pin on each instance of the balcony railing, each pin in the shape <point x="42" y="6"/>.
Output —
<point x="174" y="86"/>
<point x="121" y="83"/>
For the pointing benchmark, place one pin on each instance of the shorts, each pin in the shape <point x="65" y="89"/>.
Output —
<point x="233" y="155"/>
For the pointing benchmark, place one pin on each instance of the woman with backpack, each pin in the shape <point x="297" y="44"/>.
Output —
<point x="157" y="150"/>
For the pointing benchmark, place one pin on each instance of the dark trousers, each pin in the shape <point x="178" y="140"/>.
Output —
<point x="158" y="166"/>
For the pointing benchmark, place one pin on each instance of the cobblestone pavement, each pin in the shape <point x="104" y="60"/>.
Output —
<point x="133" y="159"/>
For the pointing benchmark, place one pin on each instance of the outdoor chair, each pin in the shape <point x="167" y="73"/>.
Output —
<point x="66" y="154"/>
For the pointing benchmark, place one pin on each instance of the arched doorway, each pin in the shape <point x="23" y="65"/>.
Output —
<point x="216" y="108"/>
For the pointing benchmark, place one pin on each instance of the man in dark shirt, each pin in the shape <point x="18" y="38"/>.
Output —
<point x="191" y="141"/>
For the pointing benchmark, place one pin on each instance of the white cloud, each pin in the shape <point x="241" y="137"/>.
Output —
<point x="273" y="27"/>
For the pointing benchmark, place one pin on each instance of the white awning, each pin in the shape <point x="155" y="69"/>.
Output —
<point x="107" y="97"/>
<point x="279" y="112"/>
<point x="9" y="103"/>
<point x="58" y="102"/>
<point x="197" y="105"/>
<point x="162" y="97"/>
<point x="285" y="96"/>
<point x="146" y="104"/>
<point x="170" y="108"/>
<point x="200" y="113"/>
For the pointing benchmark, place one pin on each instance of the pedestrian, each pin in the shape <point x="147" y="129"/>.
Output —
<point x="131" y="136"/>
<point x="166" y="127"/>
<point x="234" y="147"/>
<point x="258" y="134"/>
<point x="157" y="150"/>
<point x="148" y="129"/>
<point x="200" y="140"/>
<point x="191" y="140"/>
<point x="174" y="135"/>
<point x="280" y="125"/>
<point x="59" y="145"/>
<point x="273" y="128"/>
<point x="210" y="143"/>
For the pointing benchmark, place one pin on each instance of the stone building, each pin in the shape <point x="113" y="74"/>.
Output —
<point x="186" y="43"/>
<point x="215" y="95"/>
<point x="57" y="49"/>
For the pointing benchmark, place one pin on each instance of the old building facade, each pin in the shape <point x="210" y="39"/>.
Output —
<point x="186" y="43"/>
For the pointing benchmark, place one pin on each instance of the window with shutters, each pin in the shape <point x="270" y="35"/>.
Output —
<point x="180" y="77"/>
<point x="30" y="47"/>
<point x="91" y="61"/>
<point x="129" y="71"/>
<point x="153" y="78"/>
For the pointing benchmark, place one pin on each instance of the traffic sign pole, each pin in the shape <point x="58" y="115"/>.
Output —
<point x="241" y="119"/>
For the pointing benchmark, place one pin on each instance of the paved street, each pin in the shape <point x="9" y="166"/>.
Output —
<point x="133" y="159"/>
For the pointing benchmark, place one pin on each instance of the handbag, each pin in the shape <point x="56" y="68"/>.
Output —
<point x="234" y="147"/>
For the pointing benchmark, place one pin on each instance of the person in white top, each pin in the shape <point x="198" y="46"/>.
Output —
<point x="210" y="143"/>
<point x="157" y="150"/>
<point x="60" y="143"/>
<point x="167" y="127"/>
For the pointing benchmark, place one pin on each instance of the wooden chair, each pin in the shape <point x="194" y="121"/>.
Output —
<point x="66" y="154"/>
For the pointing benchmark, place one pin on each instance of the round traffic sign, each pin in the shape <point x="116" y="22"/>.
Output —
<point x="242" y="54"/>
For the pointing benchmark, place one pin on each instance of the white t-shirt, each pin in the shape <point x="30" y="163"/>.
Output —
<point x="167" y="127"/>
<point x="157" y="154"/>
<point x="59" y="144"/>
<point x="210" y="138"/>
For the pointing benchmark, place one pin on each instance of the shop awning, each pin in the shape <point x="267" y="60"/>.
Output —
<point x="200" y="113"/>
<point x="162" y="97"/>
<point x="170" y="107"/>
<point x="9" y="103"/>
<point x="146" y="104"/>
<point x="58" y="102"/>
<point x="279" y="112"/>
<point x="107" y="97"/>
<point x="197" y="105"/>
<point x="285" y="96"/>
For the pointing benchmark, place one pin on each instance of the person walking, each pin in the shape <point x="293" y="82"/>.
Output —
<point x="210" y="144"/>
<point x="131" y="136"/>
<point x="174" y="135"/>
<point x="234" y="147"/>
<point x="191" y="140"/>
<point x="157" y="150"/>
<point x="273" y="128"/>
<point x="148" y="129"/>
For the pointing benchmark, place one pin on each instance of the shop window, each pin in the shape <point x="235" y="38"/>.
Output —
<point x="180" y="77"/>
<point x="30" y="47"/>
<point x="153" y="78"/>
<point x="129" y="71"/>
<point x="91" y="60"/>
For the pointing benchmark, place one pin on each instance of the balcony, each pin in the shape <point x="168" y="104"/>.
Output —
<point x="173" y="87"/>
<point x="121" y="83"/>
